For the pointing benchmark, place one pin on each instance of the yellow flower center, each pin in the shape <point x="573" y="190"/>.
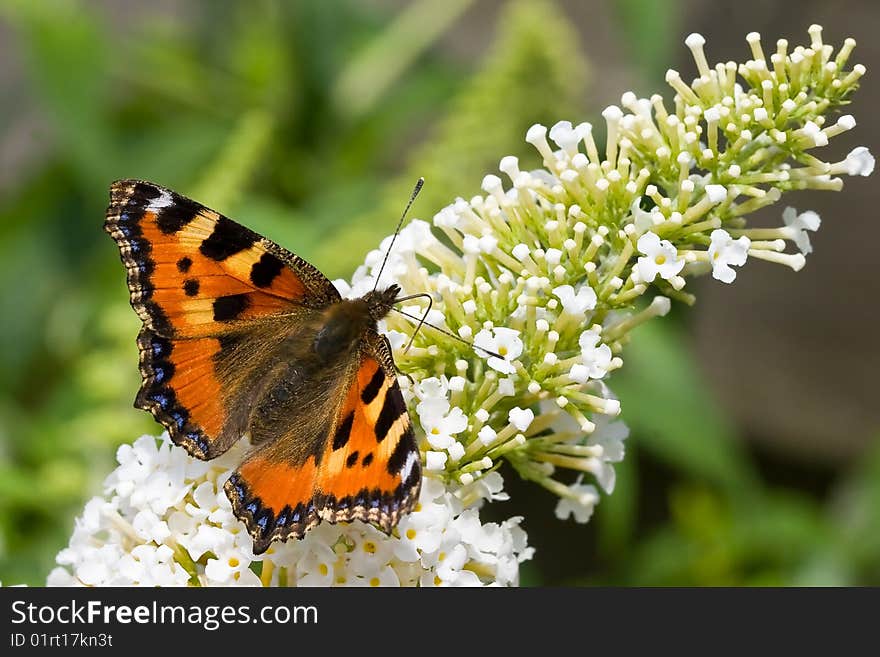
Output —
<point x="502" y="350"/>
<point x="322" y="568"/>
<point x="437" y="580"/>
<point x="233" y="562"/>
<point x="660" y="259"/>
<point x="370" y="547"/>
<point x="410" y="533"/>
<point x="435" y="431"/>
<point x="374" y="581"/>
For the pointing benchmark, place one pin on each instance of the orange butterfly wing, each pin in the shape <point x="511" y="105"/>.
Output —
<point x="367" y="469"/>
<point x="198" y="280"/>
<point x="193" y="272"/>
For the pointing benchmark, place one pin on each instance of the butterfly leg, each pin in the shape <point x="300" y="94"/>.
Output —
<point x="399" y="371"/>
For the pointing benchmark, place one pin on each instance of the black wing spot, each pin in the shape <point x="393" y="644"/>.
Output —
<point x="283" y="516"/>
<point x="140" y="249"/>
<point x="143" y="192"/>
<point x="230" y="307"/>
<point x="159" y="348"/>
<point x="398" y="457"/>
<point x="227" y="239"/>
<point x="172" y="218"/>
<point x="191" y="287"/>
<point x="343" y="432"/>
<point x="184" y="264"/>
<point x="351" y="460"/>
<point x="158" y="318"/>
<point x="367" y="460"/>
<point x="265" y="270"/>
<point x="392" y="408"/>
<point x="368" y="394"/>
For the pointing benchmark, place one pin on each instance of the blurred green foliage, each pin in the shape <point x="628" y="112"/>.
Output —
<point x="309" y="122"/>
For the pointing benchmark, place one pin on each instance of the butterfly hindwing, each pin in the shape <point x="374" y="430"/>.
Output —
<point x="366" y="466"/>
<point x="193" y="272"/>
<point x="181" y="389"/>
<point x="372" y="452"/>
<point x="202" y="389"/>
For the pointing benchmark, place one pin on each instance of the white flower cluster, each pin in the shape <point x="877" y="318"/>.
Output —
<point x="535" y="290"/>
<point x="548" y="272"/>
<point x="164" y="520"/>
<point x="475" y="409"/>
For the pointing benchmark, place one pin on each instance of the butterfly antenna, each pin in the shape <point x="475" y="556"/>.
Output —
<point x="416" y="190"/>
<point x="421" y="321"/>
<point x="423" y="318"/>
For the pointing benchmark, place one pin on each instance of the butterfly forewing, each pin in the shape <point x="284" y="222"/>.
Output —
<point x="197" y="280"/>
<point x="193" y="272"/>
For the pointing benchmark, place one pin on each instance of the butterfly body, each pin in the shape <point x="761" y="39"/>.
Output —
<point x="344" y="323"/>
<point x="241" y="337"/>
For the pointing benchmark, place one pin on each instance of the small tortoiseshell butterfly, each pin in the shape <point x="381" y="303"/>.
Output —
<point x="240" y="336"/>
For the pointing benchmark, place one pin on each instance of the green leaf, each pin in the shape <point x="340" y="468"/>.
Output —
<point x="854" y="514"/>
<point x="648" y="28"/>
<point x="170" y="153"/>
<point x="671" y="412"/>
<point x="771" y="538"/>
<point x="533" y="73"/>
<point x="231" y="170"/>
<point x="616" y="515"/>
<point x="373" y="70"/>
<point x="67" y="57"/>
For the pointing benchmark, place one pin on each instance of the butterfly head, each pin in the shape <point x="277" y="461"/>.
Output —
<point x="380" y="302"/>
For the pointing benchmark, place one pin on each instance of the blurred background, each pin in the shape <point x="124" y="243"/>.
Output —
<point x="754" y="456"/>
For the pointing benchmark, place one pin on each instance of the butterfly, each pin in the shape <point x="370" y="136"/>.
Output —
<point x="241" y="336"/>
